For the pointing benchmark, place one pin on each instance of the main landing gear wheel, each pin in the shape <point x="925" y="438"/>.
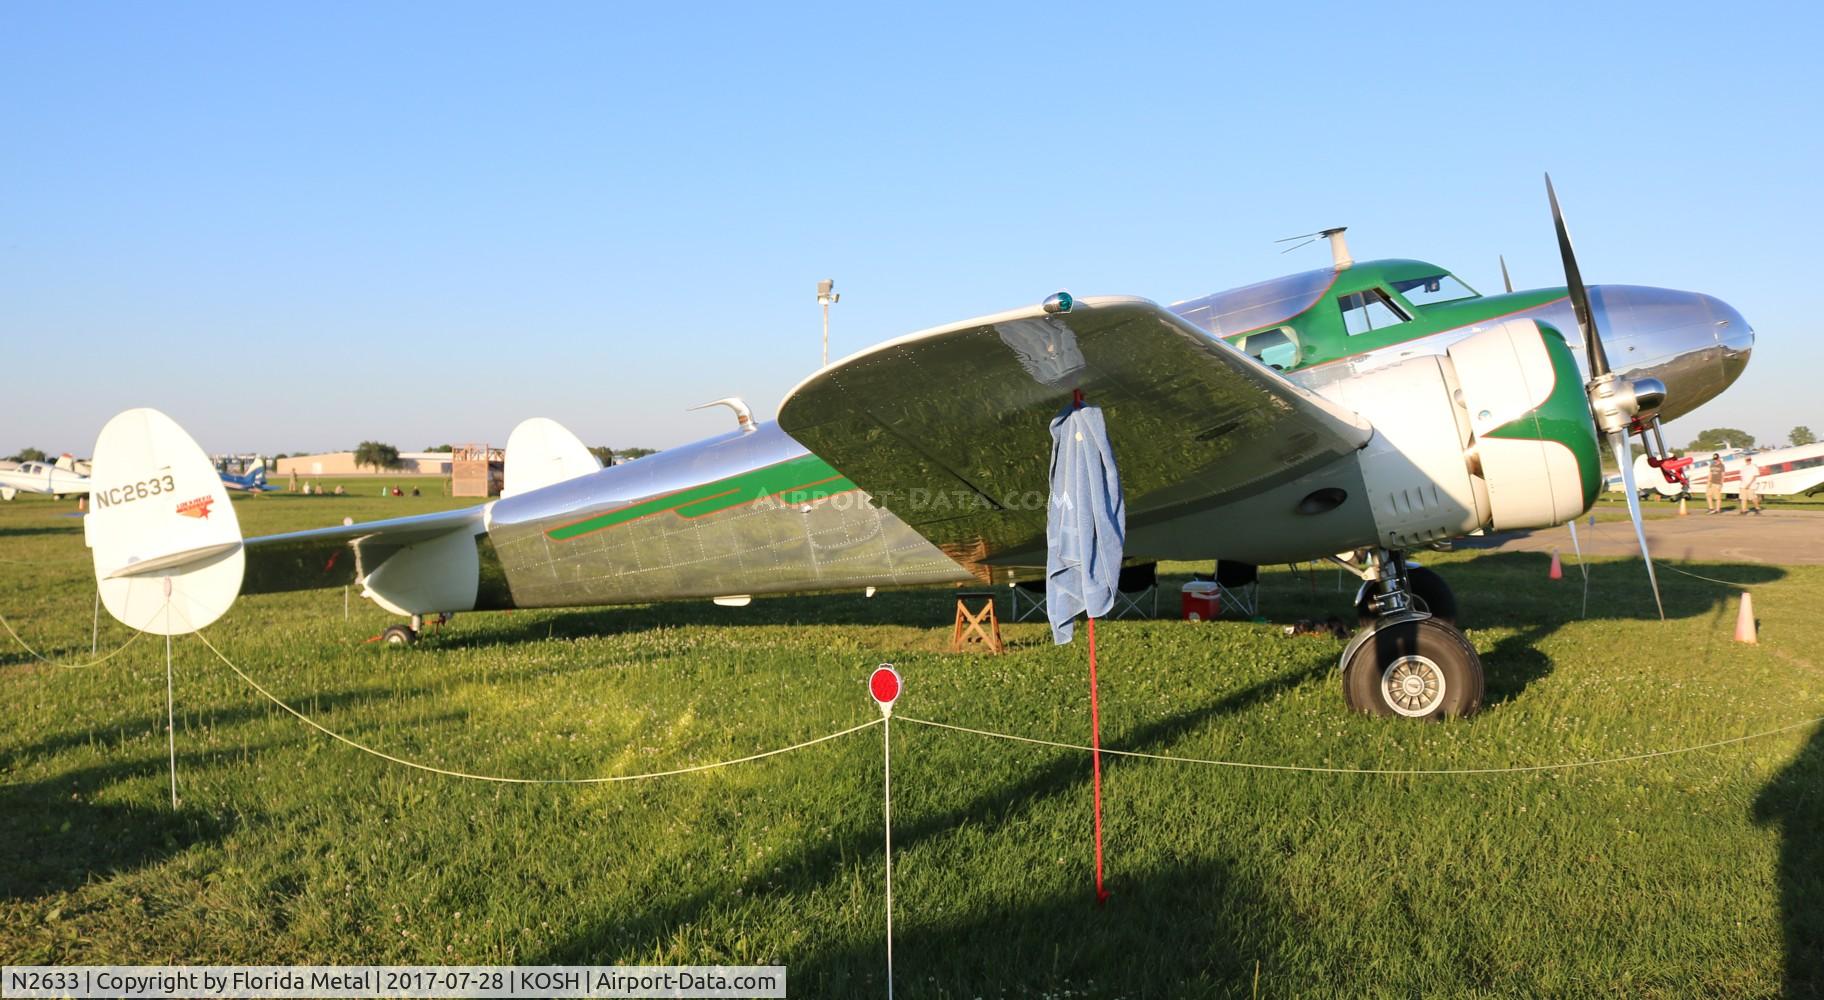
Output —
<point x="1418" y="668"/>
<point x="399" y="635"/>
<point x="1428" y="587"/>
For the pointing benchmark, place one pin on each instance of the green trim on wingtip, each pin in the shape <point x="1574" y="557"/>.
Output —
<point x="799" y="480"/>
<point x="1564" y="417"/>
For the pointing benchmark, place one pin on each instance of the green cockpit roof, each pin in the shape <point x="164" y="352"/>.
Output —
<point x="1318" y="316"/>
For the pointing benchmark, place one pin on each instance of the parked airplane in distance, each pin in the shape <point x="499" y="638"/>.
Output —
<point x="1783" y="471"/>
<point x="252" y="480"/>
<point x="57" y="479"/>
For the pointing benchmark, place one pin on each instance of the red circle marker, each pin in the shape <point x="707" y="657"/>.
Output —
<point x="884" y="685"/>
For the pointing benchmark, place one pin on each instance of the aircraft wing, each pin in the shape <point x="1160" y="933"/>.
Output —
<point x="949" y="429"/>
<point x="332" y="557"/>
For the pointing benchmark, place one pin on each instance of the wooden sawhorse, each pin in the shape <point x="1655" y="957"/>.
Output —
<point x="978" y="625"/>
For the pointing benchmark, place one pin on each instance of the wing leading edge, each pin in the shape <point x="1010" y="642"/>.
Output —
<point x="948" y="428"/>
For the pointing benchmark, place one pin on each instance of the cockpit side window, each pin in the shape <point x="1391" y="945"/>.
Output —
<point x="1433" y="289"/>
<point x="1369" y="310"/>
<point x="1275" y="348"/>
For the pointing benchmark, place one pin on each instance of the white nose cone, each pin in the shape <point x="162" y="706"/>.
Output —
<point x="166" y="542"/>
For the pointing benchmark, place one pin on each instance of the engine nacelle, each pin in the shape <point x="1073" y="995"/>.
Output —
<point x="1495" y="433"/>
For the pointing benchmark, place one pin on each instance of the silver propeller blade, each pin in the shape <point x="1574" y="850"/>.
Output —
<point x="1577" y="547"/>
<point x="1618" y="443"/>
<point x="1579" y="295"/>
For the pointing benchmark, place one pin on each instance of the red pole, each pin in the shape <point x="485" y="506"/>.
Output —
<point x="1095" y="743"/>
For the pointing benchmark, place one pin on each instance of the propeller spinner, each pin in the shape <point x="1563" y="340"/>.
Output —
<point x="1620" y="406"/>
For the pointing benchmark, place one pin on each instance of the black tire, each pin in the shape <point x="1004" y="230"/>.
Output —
<point x="1429" y="588"/>
<point x="1421" y="669"/>
<point x="398" y="635"/>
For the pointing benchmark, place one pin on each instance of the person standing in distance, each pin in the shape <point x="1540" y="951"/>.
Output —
<point x="1713" y="490"/>
<point x="1750" y="497"/>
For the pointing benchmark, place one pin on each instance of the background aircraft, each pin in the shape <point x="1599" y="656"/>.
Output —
<point x="1783" y="472"/>
<point x="252" y="480"/>
<point x="1368" y="409"/>
<point x="59" y="479"/>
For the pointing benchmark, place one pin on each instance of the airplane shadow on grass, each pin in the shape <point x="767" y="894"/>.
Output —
<point x="55" y="834"/>
<point x="1794" y="801"/>
<point x="58" y="836"/>
<point x="1198" y="923"/>
<point x="1188" y="924"/>
<point x="21" y="531"/>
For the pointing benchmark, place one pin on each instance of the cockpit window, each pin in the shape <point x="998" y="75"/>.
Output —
<point x="1369" y="310"/>
<point x="1433" y="289"/>
<point x="1276" y="348"/>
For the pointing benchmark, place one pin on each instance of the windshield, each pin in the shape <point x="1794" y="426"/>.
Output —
<point x="1433" y="289"/>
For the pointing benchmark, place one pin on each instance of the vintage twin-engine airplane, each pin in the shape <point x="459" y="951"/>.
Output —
<point x="57" y="479"/>
<point x="1367" y="409"/>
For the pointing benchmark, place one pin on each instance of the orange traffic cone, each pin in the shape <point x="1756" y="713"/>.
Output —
<point x="1557" y="572"/>
<point x="1681" y="507"/>
<point x="1744" y="621"/>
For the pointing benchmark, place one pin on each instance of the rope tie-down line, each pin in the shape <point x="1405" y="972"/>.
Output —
<point x="98" y="661"/>
<point x="1315" y="769"/>
<point x="929" y="723"/>
<point x="508" y="780"/>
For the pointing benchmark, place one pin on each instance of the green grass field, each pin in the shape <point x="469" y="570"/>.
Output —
<point x="1696" y="874"/>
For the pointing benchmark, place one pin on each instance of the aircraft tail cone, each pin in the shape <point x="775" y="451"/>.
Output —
<point x="1744" y="621"/>
<point x="1557" y="571"/>
<point x="1681" y="507"/>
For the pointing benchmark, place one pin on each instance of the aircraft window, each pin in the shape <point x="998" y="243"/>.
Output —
<point x="1274" y="348"/>
<point x="1433" y="289"/>
<point x="1370" y="310"/>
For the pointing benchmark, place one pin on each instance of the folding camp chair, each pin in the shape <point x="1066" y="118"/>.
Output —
<point x="1238" y="587"/>
<point x="1026" y="600"/>
<point x="1137" y="592"/>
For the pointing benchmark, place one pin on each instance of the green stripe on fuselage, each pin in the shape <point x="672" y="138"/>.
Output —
<point x="1564" y="417"/>
<point x="798" y="480"/>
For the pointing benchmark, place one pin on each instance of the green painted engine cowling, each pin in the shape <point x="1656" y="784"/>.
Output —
<point x="1533" y="441"/>
<point x="1493" y="434"/>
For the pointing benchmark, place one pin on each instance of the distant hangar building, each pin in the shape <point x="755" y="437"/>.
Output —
<point x="342" y="463"/>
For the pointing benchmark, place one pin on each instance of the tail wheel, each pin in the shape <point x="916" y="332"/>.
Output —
<point x="1429" y="588"/>
<point x="399" y="635"/>
<point x="1419" y="669"/>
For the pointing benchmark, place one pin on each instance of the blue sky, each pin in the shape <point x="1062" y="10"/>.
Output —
<point x="294" y="227"/>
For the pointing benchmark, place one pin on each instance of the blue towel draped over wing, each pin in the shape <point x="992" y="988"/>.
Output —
<point x="1086" y="523"/>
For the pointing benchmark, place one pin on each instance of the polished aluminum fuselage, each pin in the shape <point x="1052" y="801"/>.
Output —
<point x="777" y="541"/>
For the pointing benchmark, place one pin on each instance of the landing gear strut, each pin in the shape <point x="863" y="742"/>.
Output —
<point x="405" y="635"/>
<point x="1409" y="659"/>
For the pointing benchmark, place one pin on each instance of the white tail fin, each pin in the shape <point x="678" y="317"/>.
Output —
<point x="165" y="539"/>
<point x="541" y="452"/>
<point x="66" y="462"/>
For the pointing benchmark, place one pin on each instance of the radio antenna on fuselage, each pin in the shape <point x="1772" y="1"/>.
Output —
<point x="1339" y="247"/>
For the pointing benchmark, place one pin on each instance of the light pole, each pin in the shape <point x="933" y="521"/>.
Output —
<point x="827" y="297"/>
